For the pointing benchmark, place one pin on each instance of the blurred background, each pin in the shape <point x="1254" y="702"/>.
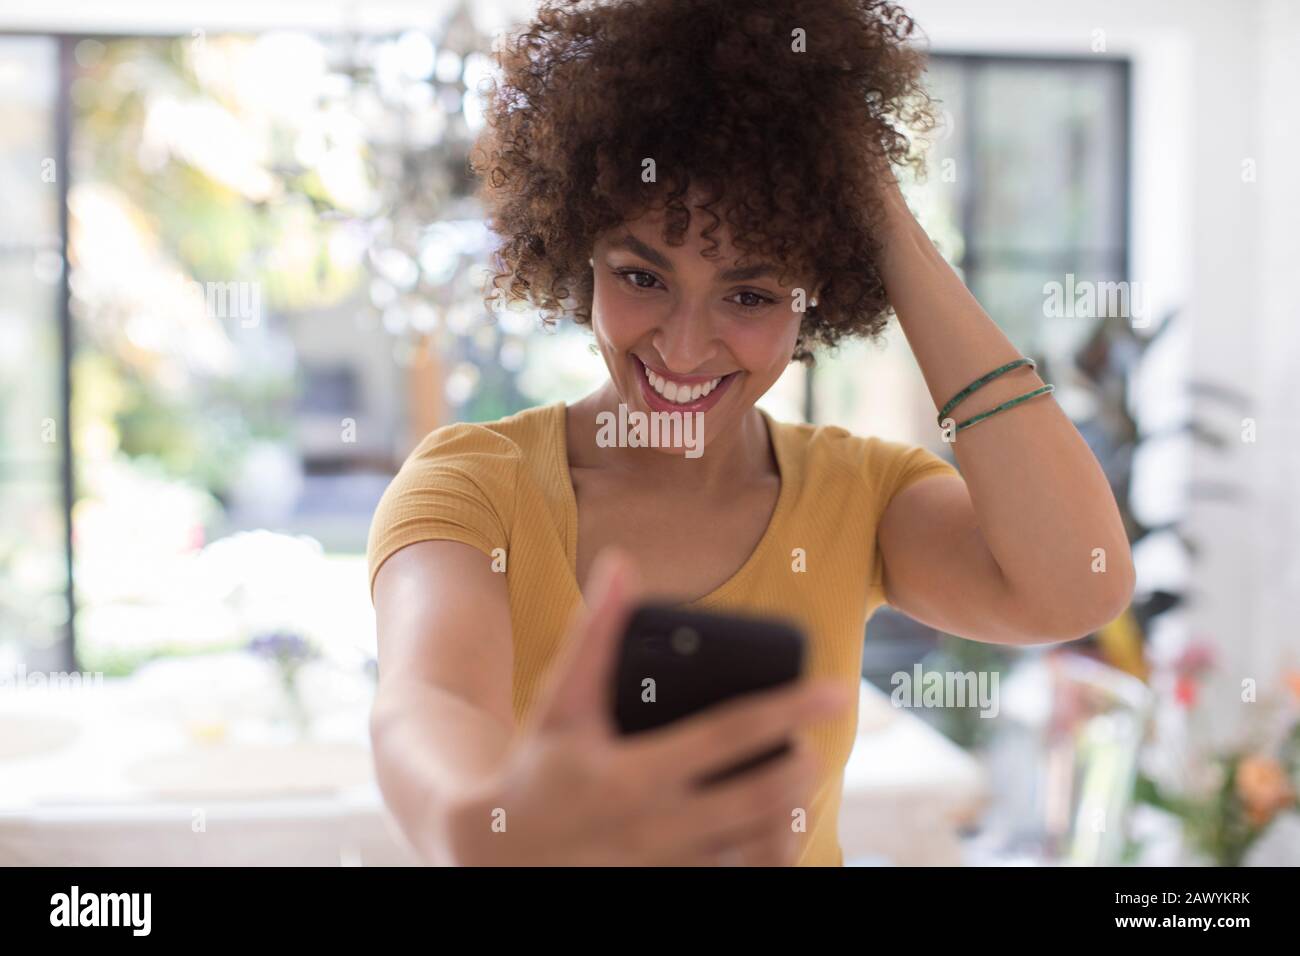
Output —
<point x="240" y="278"/>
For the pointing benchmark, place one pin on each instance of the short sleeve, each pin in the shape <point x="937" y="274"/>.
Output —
<point x="912" y="463"/>
<point x="458" y="484"/>
<point x="895" y="467"/>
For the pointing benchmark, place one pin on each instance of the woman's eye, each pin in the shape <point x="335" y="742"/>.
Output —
<point x="639" y="279"/>
<point x="631" y="274"/>
<point x="756" y="301"/>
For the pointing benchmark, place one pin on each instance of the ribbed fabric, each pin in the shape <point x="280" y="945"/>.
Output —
<point x="506" y="485"/>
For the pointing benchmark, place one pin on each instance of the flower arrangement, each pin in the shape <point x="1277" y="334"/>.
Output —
<point x="1228" y="798"/>
<point x="287" y="651"/>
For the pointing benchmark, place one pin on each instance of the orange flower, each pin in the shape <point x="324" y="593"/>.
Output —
<point x="1263" y="787"/>
<point x="1292" y="679"/>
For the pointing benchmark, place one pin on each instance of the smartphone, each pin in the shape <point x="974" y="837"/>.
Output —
<point x="674" y="663"/>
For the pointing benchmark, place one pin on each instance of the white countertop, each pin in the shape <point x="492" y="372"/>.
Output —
<point x="147" y="771"/>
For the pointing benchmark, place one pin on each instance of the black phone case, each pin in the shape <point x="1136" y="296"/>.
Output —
<point x="699" y="659"/>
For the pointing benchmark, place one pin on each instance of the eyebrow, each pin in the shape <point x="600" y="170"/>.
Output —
<point x="651" y="254"/>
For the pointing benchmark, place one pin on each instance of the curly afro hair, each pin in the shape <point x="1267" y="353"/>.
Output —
<point x="783" y="112"/>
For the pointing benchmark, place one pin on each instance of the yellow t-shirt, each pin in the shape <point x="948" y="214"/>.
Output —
<point x="506" y="485"/>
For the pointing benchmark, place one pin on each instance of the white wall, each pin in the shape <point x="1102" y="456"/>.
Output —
<point x="1275" y="460"/>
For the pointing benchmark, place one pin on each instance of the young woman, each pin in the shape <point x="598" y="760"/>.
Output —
<point x="709" y="186"/>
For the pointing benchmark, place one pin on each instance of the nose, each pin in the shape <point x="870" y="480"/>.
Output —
<point x="686" y="339"/>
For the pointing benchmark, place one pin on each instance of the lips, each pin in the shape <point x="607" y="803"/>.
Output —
<point x="657" y="402"/>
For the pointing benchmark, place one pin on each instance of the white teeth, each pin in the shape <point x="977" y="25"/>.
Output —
<point x="680" y="393"/>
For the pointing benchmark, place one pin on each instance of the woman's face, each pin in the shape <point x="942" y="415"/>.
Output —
<point x="683" y="333"/>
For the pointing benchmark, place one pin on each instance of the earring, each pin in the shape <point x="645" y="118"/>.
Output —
<point x="813" y="302"/>
<point x="592" y="262"/>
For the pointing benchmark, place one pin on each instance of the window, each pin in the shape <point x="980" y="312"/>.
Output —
<point x="1027" y="185"/>
<point x="34" y="574"/>
<point x="354" y="245"/>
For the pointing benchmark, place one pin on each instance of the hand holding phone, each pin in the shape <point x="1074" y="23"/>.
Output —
<point x="574" y="790"/>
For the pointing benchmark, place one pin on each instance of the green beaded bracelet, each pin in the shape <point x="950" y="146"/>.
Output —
<point x="1005" y="405"/>
<point x="980" y="383"/>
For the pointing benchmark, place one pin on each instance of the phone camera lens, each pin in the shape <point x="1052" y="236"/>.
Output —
<point x="686" y="640"/>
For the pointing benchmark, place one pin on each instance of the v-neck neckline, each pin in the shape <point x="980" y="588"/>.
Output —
<point x="784" y="492"/>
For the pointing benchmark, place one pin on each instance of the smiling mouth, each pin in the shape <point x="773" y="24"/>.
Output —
<point x="664" y="393"/>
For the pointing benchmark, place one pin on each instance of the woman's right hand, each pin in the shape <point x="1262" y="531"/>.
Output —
<point x="572" y="791"/>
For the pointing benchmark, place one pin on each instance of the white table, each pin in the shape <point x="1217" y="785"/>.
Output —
<point x="124" y="785"/>
<point x="908" y="789"/>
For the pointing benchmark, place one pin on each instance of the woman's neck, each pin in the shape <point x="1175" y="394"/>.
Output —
<point x="738" y="455"/>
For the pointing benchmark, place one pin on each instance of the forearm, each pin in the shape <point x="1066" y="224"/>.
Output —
<point x="432" y="749"/>
<point x="1043" y="502"/>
